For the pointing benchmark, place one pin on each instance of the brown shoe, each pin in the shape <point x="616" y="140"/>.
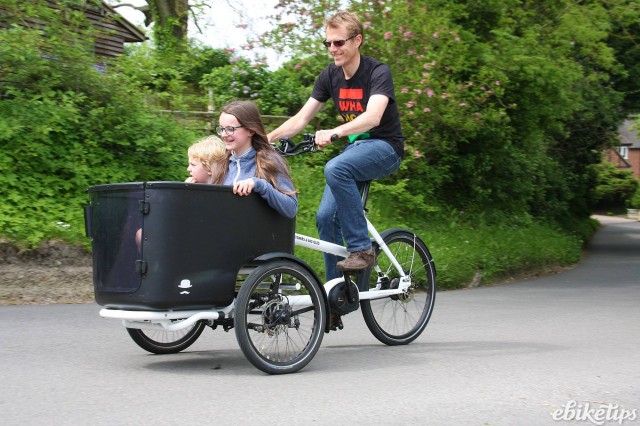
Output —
<point x="357" y="261"/>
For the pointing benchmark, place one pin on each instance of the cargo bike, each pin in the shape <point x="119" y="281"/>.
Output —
<point x="171" y="259"/>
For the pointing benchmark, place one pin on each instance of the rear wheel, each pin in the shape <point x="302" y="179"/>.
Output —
<point x="398" y="320"/>
<point x="280" y="317"/>
<point x="166" y="342"/>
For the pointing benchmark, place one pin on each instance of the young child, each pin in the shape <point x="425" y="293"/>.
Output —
<point x="208" y="161"/>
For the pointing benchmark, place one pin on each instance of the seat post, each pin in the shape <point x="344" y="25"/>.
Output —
<point x="364" y="191"/>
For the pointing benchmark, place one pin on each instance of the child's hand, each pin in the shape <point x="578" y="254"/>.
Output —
<point x="191" y="179"/>
<point x="243" y="187"/>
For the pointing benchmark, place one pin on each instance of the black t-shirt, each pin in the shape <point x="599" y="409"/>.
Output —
<point x="351" y="98"/>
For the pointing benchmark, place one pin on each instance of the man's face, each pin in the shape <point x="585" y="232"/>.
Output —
<point x="343" y="55"/>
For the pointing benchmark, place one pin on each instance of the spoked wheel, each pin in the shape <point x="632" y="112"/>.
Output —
<point x="280" y="317"/>
<point x="398" y="320"/>
<point x="166" y="342"/>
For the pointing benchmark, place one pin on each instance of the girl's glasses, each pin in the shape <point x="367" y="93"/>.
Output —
<point x="229" y="130"/>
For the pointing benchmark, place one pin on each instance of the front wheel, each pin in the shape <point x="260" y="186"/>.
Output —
<point x="166" y="342"/>
<point x="398" y="320"/>
<point x="280" y="317"/>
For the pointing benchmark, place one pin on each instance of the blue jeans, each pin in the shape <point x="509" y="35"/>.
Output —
<point x="340" y="216"/>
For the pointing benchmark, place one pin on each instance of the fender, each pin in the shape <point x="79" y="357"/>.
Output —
<point x="282" y="255"/>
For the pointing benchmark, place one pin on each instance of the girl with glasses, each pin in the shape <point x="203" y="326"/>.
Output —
<point x="254" y="165"/>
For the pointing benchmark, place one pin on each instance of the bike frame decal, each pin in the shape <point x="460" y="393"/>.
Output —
<point x="319" y="245"/>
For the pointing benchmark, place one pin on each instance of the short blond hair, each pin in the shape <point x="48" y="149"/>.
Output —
<point x="346" y="20"/>
<point x="212" y="153"/>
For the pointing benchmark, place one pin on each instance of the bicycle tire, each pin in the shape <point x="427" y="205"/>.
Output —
<point x="399" y="320"/>
<point x="277" y="331"/>
<point x="166" y="342"/>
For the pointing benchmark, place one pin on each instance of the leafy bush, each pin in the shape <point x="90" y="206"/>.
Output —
<point x="461" y="249"/>
<point x="615" y="188"/>
<point x="173" y="84"/>
<point x="505" y="104"/>
<point x="634" y="203"/>
<point x="65" y="126"/>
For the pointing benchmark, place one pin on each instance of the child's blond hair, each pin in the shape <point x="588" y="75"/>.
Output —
<point x="213" y="155"/>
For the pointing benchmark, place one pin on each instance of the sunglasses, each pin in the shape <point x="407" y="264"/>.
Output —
<point x="337" y="43"/>
<point x="229" y="130"/>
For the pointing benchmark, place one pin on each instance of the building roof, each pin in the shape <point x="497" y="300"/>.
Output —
<point x="629" y="133"/>
<point x="131" y="32"/>
<point x="113" y="29"/>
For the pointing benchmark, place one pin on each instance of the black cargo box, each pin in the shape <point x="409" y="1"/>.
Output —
<point x="194" y="238"/>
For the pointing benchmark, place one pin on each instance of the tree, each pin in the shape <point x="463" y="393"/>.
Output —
<point x="615" y="188"/>
<point x="624" y="39"/>
<point x="65" y="125"/>
<point x="171" y="19"/>
<point x="505" y="104"/>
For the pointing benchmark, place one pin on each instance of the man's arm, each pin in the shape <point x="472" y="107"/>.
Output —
<point x="298" y="122"/>
<point x="362" y="123"/>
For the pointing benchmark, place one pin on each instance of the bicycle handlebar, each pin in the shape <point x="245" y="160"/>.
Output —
<point x="287" y="147"/>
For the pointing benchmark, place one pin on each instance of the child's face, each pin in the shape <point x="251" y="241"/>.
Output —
<point x="197" y="171"/>
<point x="240" y="139"/>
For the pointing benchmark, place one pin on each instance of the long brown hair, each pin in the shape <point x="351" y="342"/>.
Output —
<point x="269" y="164"/>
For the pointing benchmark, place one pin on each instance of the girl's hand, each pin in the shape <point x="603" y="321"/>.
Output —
<point x="191" y="179"/>
<point x="244" y="187"/>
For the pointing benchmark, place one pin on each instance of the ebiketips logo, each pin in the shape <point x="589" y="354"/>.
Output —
<point x="597" y="415"/>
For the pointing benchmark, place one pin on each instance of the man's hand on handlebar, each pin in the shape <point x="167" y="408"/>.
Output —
<point x="287" y="147"/>
<point x="325" y="138"/>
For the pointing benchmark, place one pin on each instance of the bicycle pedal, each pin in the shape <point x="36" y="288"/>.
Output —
<point x="337" y="326"/>
<point x="336" y="323"/>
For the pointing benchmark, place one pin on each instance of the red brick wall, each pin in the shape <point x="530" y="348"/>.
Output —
<point x="633" y="160"/>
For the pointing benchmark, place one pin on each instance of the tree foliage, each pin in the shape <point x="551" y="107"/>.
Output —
<point x="171" y="22"/>
<point x="65" y="125"/>
<point x="614" y="188"/>
<point x="505" y="104"/>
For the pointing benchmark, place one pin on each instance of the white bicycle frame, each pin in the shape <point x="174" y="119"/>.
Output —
<point x="338" y="250"/>
<point x="178" y="320"/>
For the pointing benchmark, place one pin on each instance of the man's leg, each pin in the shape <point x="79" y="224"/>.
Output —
<point x="362" y="161"/>
<point x="329" y="230"/>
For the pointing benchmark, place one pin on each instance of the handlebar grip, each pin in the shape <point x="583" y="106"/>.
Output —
<point x="334" y="137"/>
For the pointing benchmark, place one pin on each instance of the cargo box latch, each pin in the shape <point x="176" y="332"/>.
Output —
<point x="143" y="206"/>
<point x="141" y="267"/>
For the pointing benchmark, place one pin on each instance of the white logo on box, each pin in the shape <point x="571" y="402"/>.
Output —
<point x="185" y="284"/>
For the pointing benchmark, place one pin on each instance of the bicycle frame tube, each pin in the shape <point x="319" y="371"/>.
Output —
<point x="338" y="250"/>
<point x="320" y="245"/>
<point x="376" y="236"/>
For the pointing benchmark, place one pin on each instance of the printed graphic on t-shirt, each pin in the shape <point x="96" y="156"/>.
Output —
<point x="350" y="103"/>
<point x="350" y="106"/>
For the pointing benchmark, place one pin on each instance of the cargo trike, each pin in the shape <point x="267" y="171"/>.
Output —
<point x="171" y="259"/>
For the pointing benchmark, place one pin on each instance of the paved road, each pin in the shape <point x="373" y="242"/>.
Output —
<point x="503" y="355"/>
